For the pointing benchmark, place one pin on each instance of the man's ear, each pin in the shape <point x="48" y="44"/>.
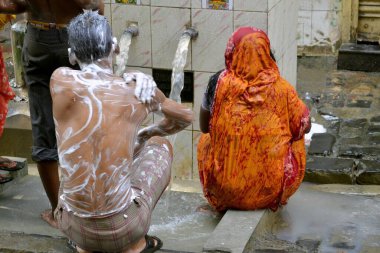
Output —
<point x="72" y="57"/>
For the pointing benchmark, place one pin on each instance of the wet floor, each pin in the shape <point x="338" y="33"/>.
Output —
<point x="329" y="219"/>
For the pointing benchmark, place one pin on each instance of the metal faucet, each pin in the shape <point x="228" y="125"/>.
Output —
<point x="191" y="32"/>
<point x="133" y="30"/>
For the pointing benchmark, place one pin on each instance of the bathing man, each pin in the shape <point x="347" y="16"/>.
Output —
<point x="112" y="173"/>
<point x="45" y="49"/>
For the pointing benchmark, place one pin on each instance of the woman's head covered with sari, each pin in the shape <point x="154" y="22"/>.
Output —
<point x="248" y="56"/>
<point x="250" y="68"/>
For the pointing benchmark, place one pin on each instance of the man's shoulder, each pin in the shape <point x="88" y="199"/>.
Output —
<point x="63" y="72"/>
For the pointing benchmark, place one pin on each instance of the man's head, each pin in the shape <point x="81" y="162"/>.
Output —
<point x="90" y="37"/>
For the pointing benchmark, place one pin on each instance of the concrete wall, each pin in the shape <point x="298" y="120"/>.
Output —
<point x="319" y="26"/>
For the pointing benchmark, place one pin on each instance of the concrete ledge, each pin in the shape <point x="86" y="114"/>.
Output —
<point x="234" y="231"/>
<point x="359" y="57"/>
<point x="328" y="170"/>
<point x="16" y="142"/>
<point x="24" y="243"/>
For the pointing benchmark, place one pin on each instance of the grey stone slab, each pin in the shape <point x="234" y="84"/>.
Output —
<point x="374" y="129"/>
<point x="369" y="172"/>
<point x="350" y="132"/>
<point x="312" y="245"/>
<point x="344" y="237"/>
<point x="356" y="123"/>
<point x="375" y="119"/>
<point x="24" y="243"/>
<point x="321" y="144"/>
<point x="374" y="139"/>
<point x="329" y="170"/>
<point x="21" y="205"/>
<point x="333" y="98"/>
<point x="234" y="231"/>
<point x="359" y="57"/>
<point x="359" y="151"/>
<point x="360" y="103"/>
<point x="351" y="141"/>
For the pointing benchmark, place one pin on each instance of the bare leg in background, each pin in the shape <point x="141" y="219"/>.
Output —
<point x="49" y="175"/>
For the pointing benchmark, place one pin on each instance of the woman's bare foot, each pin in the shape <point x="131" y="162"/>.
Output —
<point x="47" y="216"/>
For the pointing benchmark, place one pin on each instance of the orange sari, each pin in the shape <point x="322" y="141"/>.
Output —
<point x="6" y="93"/>
<point x="254" y="156"/>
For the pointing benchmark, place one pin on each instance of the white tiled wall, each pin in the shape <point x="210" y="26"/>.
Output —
<point x="161" y="23"/>
<point x="171" y="3"/>
<point x="251" y="5"/>
<point x="319" y="23"/>
<point x="214" y="27"/>
<point x="257" y="19"/>
<point x="140" y="53"/>
<point x="166" y="33"/>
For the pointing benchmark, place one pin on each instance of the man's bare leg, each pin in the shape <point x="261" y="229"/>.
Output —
<point x="48" y="171"/>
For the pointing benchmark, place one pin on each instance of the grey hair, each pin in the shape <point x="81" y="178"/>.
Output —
<point x="90" y="37"/>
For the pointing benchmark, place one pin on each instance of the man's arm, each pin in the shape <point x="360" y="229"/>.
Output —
<point x="91" y="5"/>
<point x="13" y="6"/>
<point x="176" y="118"/>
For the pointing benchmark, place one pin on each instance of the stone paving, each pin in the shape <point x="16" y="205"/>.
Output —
<point x="347" y="104"/>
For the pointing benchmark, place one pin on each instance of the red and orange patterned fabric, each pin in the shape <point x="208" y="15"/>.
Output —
<point x="6" y="92"/>
<point x="254" y="156"/>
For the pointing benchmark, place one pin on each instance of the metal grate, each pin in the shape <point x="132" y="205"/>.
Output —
<point x="163" y="79"/>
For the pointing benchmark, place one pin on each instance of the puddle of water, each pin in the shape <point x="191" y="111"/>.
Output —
<point x="339" y="222"/>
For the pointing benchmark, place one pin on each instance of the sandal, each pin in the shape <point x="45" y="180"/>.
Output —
<point x="9" y="165"/>
<point x="150" y="245"/>
<point x="73" y="247"/>
<point x="5" y="178"/>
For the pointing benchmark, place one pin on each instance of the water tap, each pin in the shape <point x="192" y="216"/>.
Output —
<point x="133" y="30"/>
<point x="191" y="32"/>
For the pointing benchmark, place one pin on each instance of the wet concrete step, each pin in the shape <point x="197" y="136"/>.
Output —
<point x="25" y="243"/>
<point x="359" y="57"/>
<point x="34" y="243"/>
<point x="233" y="231"/>
<point x="179" y="220"/>
<point x="15" y="174"/>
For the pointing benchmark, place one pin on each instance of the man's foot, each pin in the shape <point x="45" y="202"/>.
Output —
<point x="47" y="216"/>
<point x="9" y="165"/>
<point x="153" y="244"/>
<point x="4" y="178"/>
<point x="147" y="244"/>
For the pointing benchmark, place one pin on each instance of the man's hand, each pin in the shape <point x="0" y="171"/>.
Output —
<point x="145" y="85"/>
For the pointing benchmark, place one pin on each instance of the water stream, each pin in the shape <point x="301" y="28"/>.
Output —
<point x="122" y="57"/>
<point x="178" y="76"/>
